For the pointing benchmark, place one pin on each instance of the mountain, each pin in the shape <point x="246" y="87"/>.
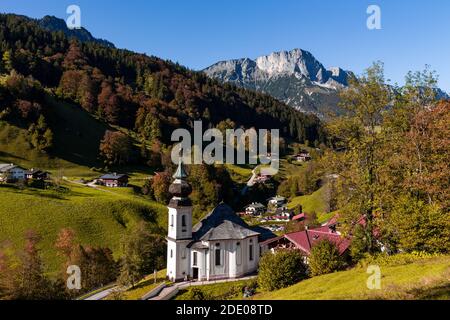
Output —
<point x="55" y="24"/>
<point x="295" y="77"/>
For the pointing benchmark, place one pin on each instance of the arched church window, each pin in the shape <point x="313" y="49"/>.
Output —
<point x="171" y="253"/>
<point x="183" y="223"/>
<point x="194" y="259"/>
<point x="171" y="220"/>
<point x="250" y="250"/>
<point x="217" y="255"/>
<point x="238" y="254"/>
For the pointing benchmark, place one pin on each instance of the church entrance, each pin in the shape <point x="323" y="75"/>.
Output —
<point x="195" y="274"/>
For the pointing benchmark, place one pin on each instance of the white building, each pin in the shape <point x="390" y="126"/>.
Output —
<point x="220" y="246"/>
<point x="255" y="209"/>
<point x="11" y="172"/>
<point x="277" y="201"/>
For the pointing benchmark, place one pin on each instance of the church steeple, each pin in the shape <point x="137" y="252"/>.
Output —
<point x="180" y="189"/>
<point x="180" y="174"/>
<point x="179" y="233"/>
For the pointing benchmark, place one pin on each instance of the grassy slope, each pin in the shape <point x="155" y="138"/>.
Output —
<point x="145" y="286"/>
<point x="425" y="278"/>
<point x="99" y="218"/>
<point x="313" y="203"/>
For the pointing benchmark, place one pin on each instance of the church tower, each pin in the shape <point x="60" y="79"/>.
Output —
<point x="180" y="226"/>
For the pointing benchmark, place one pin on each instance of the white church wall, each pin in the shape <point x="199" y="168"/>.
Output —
<point x="176" y="228"/>
<point x="178" y="260"/>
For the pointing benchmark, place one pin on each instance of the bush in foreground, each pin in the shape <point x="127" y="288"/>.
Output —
<point x="280" y="269"/>
<point x="325" y="258"/>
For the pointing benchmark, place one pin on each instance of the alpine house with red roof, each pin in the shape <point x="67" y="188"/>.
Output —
<point x="305" y="240"/>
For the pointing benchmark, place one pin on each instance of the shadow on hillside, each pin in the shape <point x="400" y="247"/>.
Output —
<point x="438" y="292"/>
<point x="76" y="134"/>
<point x="10" y="156"/>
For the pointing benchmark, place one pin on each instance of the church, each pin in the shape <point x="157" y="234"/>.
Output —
<point x="220" y="246"/>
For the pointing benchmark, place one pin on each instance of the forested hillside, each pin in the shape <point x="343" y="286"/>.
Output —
<point x="141" y="93"/>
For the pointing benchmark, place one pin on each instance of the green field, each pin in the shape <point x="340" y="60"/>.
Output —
<point x="313" y="203"/>
<point x="99" y="218"/>
<point x="426" y="278"/>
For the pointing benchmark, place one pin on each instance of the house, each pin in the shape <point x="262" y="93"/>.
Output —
<point x="11" y="173"/>
<point x="220" y="246"/>
<point x="36" y="174"/>
<point x="277" y="202"/>
<point x="263" y="178"/>
<point x="305" y="241"/>
<point x="114" y="180"/>
<point x="303" y="156"/>
<point x="255" y="209"/>
<point x="299" y="217"/>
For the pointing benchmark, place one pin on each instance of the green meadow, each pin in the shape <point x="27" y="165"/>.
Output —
<point x="98" y="217"/>
<point x="425" y="278"/>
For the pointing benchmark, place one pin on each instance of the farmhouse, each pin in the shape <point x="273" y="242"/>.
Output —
<point x="220" y="246"/>
<point x="36" y="174"/>
<point x="263" y="179"/>
<point x="303" y="156"/>
<point x="277" y="202"/>
<point x="114" y="180"/>
<point x="255" y="209"/>
<point x="305" y="240"/>
<point x="11" y="173"/>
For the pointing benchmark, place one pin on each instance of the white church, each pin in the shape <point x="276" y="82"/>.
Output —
<point x="220" y="246"/>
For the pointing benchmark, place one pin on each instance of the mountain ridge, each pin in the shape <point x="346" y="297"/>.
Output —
<point x="294" y="77"/>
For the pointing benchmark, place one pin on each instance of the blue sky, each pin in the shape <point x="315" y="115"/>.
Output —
<point x="198" y="33"/>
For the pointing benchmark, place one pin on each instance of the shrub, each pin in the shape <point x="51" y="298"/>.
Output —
<point x="281" y="269"/>
<point x="359" y="244"/>
<point x="325" y="258"/>
<point x="195" y="294"/>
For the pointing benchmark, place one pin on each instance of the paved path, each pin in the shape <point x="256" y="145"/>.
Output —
<point x="251" y="182"/>
<point x="102" y="294"/>
<point x="169" y="292"/>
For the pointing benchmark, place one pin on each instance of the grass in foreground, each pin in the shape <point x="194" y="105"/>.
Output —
<point x="425" y="278"/>
<point x="145" y="286"/>
<point x="218" y="291"/>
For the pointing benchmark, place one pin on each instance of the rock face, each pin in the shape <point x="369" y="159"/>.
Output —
<point x="295" y="77"/>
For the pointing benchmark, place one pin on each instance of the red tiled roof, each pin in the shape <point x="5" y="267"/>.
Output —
<point x="300" y="216"/>
<point x="305" y="240"/>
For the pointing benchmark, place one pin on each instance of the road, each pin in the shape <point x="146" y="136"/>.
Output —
<point x="250" y="182"/>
